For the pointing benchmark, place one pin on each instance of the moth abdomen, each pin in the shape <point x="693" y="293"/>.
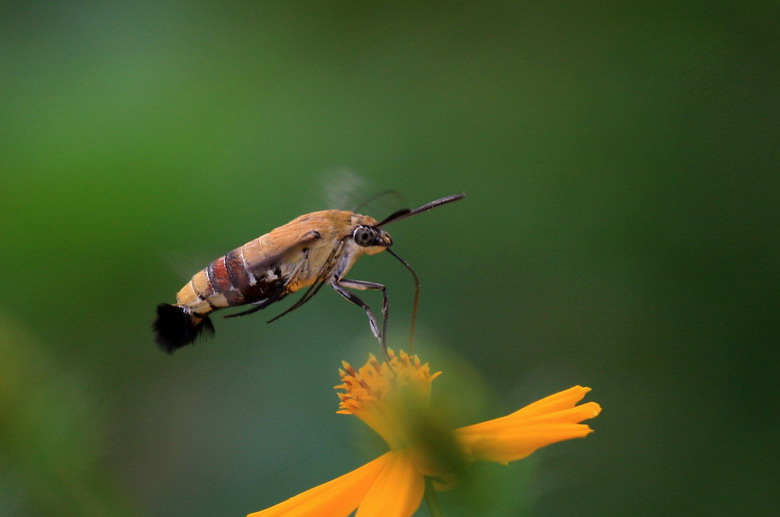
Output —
<point x="175" y="327"/>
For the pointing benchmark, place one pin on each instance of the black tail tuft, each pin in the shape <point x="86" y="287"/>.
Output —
<point x="175" y="327"/>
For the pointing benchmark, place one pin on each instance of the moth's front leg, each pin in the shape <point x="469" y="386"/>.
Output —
<point x="341" y="286"/>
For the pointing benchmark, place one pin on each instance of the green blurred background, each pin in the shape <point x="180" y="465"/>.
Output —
<point x="620" y="232"/>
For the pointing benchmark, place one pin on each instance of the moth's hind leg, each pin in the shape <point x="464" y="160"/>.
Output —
<point x="242" y="313"/>
<point x="257" y="306"/>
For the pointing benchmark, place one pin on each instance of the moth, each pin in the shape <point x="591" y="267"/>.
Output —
<point x="308" y="252"/>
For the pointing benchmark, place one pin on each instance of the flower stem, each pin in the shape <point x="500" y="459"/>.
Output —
<point x="431" y="499"/>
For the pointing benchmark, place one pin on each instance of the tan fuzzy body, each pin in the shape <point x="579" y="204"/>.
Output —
<point x="313" y="247"/>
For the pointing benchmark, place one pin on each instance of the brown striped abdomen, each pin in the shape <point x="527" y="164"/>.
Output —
<point x="227" y="282"/>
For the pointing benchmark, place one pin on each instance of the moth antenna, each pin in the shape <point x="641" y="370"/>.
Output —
<point x="416" y="298"/>
<point x="398" y="214"/>
<point x="407" y="212"/>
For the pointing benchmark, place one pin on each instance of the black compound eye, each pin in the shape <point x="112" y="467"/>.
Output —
<point x="363" y="237"/>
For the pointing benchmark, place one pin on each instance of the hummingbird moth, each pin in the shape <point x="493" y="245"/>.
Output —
<point x="308" y="252"/>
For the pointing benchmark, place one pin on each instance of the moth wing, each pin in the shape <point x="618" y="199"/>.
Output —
<point x="322" y="276"/>
<point x="270" y="264"/>
<point x="283" y="252"/>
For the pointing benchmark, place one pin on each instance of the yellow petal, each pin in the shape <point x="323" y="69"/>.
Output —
<point x="397" y="491"/>
<point x="338" y="497"/>
<point x="571" y="415"/>
<point x="515" y="436"/>
<point x="562" y="400"/>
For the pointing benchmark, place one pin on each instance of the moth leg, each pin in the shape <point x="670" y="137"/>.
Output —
<point x="341" y="286"/>
<point x="306" y="297"/>
<point x="257" y="306"/>
<point x="322" y="276"/>
<point x="243" y="313"/>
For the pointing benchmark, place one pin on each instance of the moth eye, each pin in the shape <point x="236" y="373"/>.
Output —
<point x="363" y="237"/>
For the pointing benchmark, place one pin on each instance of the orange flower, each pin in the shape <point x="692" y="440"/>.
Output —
<point x="393" y="400"/>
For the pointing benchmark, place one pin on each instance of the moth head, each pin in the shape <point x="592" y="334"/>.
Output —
<point x="371" y="237"/>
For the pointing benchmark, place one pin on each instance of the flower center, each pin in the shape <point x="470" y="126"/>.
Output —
<point x="390" y="397"/>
